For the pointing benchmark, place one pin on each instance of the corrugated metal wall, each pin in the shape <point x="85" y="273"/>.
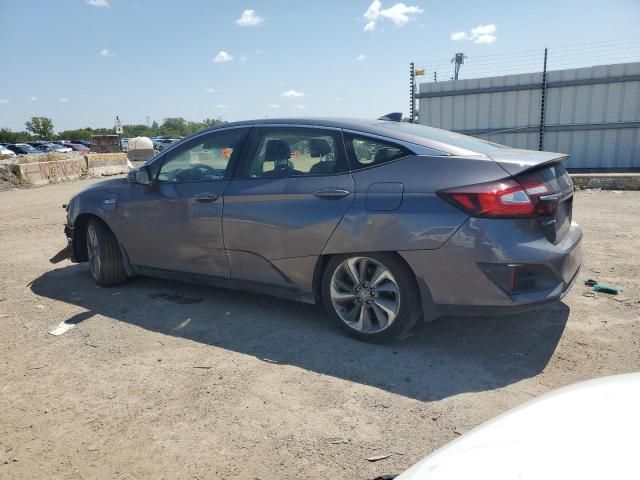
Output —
<point x="592" y="113"/>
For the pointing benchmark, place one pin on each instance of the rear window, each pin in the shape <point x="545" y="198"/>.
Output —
<point x="444" y="136"/>
<point x="367" y="152"/>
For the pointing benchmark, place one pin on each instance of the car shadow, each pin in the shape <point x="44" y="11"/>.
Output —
<point x="449" y="356"/>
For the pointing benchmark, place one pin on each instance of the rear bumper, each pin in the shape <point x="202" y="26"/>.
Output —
<point x="452" y="282"/>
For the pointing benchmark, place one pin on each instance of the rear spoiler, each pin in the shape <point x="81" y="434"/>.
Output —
<point x="516" y="161"/>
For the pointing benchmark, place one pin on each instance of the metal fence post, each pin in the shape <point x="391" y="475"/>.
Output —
<point x="542" y="100"/>
<point x="412" y="92"/>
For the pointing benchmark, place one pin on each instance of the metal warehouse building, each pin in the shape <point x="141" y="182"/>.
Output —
<point x="591" y="113"/>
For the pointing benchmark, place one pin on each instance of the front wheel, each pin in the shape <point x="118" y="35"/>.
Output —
<point x="371" y="296"/>
<point x="103" y="252"/>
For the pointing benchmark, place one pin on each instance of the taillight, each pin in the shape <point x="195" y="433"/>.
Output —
<point x="501" y="199"/>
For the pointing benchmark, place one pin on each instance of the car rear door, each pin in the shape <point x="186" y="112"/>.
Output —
<point x="290" y="190"/>
<point x="176" y="223"/>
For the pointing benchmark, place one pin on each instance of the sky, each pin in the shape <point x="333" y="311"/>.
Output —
<point x="82" y="62"/>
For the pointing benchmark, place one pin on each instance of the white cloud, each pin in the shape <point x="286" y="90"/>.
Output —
<point x="4" y="100"/>
<point x="301" y="107"/>
<point x="105" y="52"/>
<point x="482" y="34"/>
<point x="242" y="59"/>
<point x="259" y="52"/>
<point x="361" y="57"/>
<point x="220" y="105"/>
<point x="400" y="14"/>
<point x="337" y="99"/>
<point x="222" y="57"/>
<point x="458" y="36"/>
<point x="33" y="99"/>
<point x="98" y="3"/>
<point x="209" y="90"/>
<point x="274" y="105"/>
<point x="249" y="18"/>
<point x="63" y="100"/>
<point x="292" y="94"/>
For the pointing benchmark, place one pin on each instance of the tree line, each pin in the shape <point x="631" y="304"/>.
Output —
<point x="41" y="128"/>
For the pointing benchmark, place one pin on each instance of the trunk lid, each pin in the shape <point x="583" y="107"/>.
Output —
<point x="515" y="160"/>
<point x="548" y="185"/>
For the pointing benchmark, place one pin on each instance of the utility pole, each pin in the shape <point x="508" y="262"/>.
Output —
<point x="457" y="61"/>
<point x="542" y="100"/>
<point x="118" y="128"/>
<point x="412" y="92"/>
<point x="435" y="76"/>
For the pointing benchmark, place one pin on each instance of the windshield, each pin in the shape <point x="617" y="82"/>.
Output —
<point x="444" y="136"/>
<point x="25" y="147"/>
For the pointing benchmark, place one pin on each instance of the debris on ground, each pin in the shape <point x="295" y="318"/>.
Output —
<point x="602" y="288"/>
<point x="378" y="457"/>
<point x="590" y="282"/>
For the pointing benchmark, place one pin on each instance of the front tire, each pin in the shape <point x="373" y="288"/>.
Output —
<point x="104" y="255"/>
<point x="371" y="296"/>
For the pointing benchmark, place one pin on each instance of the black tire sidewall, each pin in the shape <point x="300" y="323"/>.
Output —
<point x="409" y="297"/>
<point x="93" y="225"/>
<point x="111" y="271"/>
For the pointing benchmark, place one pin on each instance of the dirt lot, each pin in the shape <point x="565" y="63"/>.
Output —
<point x="166" y="380"/>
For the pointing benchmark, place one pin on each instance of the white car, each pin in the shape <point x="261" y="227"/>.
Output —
<point x="587" y="431"/>
<point x="5" y="151"/>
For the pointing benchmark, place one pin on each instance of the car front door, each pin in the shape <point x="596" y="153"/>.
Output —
<point x="288" y="194"/>
<point x="176" y="222"/>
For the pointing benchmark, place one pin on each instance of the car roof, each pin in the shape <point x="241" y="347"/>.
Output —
<point x="382" y="128"/>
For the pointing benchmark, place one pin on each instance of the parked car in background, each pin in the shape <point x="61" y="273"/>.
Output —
<point x="5" y="151"/>
<point x="50" y="147"/>
<point x="382" y="222"/>
<point x="161" y="143"/>
<point x="86" y="143"/>
<point x="76" y="147"/>
<point x="23" y="149"/>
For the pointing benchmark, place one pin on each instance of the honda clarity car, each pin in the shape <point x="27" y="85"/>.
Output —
<point x="382" y="222"/>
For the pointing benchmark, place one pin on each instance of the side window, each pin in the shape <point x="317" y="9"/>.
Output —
<point x="294" y="152"/>
<point x="201" y="160"/>
<point x="367" y="152"/>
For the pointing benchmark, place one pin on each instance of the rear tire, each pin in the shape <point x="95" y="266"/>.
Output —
<point x="105" y="257"/>
<point x="371" y="296"/>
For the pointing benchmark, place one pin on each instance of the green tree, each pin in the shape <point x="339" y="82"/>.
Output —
<point x="211" y="122"/>
<point x="41" y="127"/>
<point x="7" y="136"/>
<point x="175" y="127"/>
<point x="83" y="133"/>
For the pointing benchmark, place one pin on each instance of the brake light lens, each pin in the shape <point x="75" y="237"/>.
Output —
<point x="501" y="199"/>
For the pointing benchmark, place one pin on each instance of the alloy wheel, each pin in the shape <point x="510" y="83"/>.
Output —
<point x="365" y="295"/>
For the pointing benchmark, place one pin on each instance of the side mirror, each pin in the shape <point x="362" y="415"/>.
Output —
<point x="140" y="176"/>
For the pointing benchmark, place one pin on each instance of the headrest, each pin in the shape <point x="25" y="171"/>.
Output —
<point x="277" y="150"/>
<point x="318" y="147"/>
<point x="384" y="154"/>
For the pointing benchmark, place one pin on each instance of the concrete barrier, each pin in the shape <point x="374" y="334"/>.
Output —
<point x="42" y="173"/>
<point x="107" y="163"/>
<point x="607" y="181"/>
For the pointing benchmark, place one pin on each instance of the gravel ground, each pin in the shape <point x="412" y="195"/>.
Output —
<point x="166" y="380"/>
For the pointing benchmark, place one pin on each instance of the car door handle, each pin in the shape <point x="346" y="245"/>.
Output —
<point x="206" y="197"/>
<point x="331" y="193"/>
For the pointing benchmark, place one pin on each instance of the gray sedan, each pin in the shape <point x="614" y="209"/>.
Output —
<point x="381" y="222"/>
